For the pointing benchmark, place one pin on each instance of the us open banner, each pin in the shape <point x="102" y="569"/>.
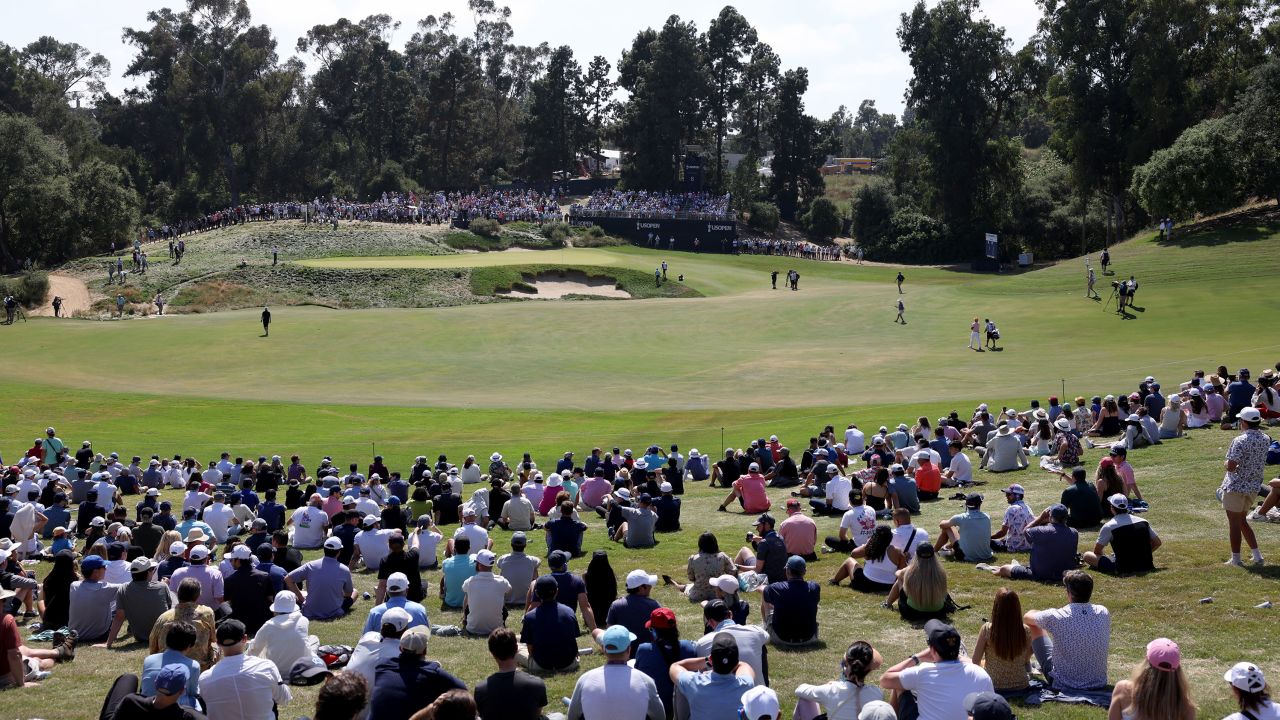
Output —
<point x="710" y="235"/>
<point x="993" y="246"/>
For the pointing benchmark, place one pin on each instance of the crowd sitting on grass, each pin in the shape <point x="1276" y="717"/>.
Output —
<point x="655" y="204"/>
<point x="217" y="587"/>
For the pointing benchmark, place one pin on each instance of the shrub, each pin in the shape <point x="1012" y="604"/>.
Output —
<point x="596" y="231"/>
<point x="556" y="232"/>
<point x="764" y="216"/>
<point x="485" y="227"/>
<point x="823" y="219"/>
<point x="29" y="289"/>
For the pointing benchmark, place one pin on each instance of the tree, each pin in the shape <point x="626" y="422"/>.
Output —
<point x="555" y="126"/>
<point x="958" y="91"/>
<point x="755" y="107"/>
<point x="68" y="65"/>
<point x="1258" y="113"/>
<point x="823" y="220"/>
<point x="596" y="93"/>
<point x="727" y="43"/>
<point x="873" y="209"/>
<point x="797" y="150"/>
<point x="664" y="74"/>
<point x="1198" y="175"/>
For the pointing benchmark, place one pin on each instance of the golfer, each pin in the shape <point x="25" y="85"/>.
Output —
<point x="901" y="308"/>
<point x="973" y="333"/>
<point x="266" y="322"/>
<point x="57" y="306"/>
<point x="901" y="277"/>
<point x="1091" y="293"/>
<point x="1105" y="260"/>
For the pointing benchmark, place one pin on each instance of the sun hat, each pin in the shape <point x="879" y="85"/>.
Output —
<point x="496" y="457"/>
<point x="640" y="578"/>
<point x="760" y="702"/>
<point x="1246" y="676"/>
<point x="641" y="464"/>
<point x="555" y="480"/>
<point x="1062" y="423"/>
<point x="1133" y="418"/>
<point x="284" y="603"/>
<point x="1004" y="430"/>
<point x="1040" y="414"/>
<point x="196" y="534"/>
<point x="623" y="493"/>
<point x="332" y="543"/>
<point x="694" y="454"/>
<point x="616" y="639"/>
<point x="1163" y="654"/>
<point x="661" y="619"/>
<point x="172" y="679"/>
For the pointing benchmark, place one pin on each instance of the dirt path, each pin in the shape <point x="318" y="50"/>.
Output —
<point x="74" y="294"/>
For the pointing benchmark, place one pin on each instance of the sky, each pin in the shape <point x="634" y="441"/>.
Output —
<point x="850" y="47"/>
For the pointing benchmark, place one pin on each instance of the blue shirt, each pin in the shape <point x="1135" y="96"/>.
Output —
<point x="249" y="499"/>
<point x="551" y="631"/>
<point x="632" y="611"/>
<point x="1239" y="394"/>
<point x="565" y="533"/>
<point x="649" y="661"/>
<point x="151" y="667"/>
<point x="456" y="570"/>
<point x="399" y="488"/>
<point x="1053" y="551"/>
<point x="58" y="517"/>
<point x="403" y="686"/>
<point x="974" y="527"/>
<point x="943" y="448"/>
<point x="417" y="613"/>
<point x="275" y="572"/>
<point x="905" y="488"/>
<point x="328" y="583"/>
<point x="712" y="696"/>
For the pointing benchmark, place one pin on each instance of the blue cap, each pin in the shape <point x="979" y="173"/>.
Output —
<point x="172" y="679"/>
<point x="91" y="563"/>
<point x="616" y="639"/>
<point x="1058" y="511"/>
<point x="393" y="500"/>
<point x="796" y="565"/>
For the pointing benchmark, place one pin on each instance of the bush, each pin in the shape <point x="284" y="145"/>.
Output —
<point x="556" y="232"/>
<point x="29" y="289"/>
<point x="596" y="232"/>
<point x="823" y="219"/>
<point x="764" y="216"/>
<point x="485" y="227"/>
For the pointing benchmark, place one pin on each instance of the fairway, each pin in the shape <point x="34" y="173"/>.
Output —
<point x="741" y="362"/>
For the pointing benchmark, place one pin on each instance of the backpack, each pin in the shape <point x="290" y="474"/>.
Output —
<point x="1273" y="453"/>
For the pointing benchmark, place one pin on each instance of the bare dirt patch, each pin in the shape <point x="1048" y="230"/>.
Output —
<point x="74" y="294"/>
<point x="552" y="286"/>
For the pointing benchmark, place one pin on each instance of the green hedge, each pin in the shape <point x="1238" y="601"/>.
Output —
<point x="30" y="288"/>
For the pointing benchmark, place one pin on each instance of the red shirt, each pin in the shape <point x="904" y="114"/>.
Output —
<point x="928" y="479"/>
<point x="9" y="640"/>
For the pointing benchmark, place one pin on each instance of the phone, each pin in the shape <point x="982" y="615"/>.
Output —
<point x="749" y="536"/>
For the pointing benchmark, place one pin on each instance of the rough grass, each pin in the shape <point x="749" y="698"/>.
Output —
<point x="333" y="288"/>
<point x="465" y="240"/>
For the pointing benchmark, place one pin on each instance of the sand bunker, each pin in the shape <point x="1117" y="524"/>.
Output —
<point x="74" y="294"/>
<point x="549" y="286"/>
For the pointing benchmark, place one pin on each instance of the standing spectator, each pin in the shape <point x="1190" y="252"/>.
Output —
<point x="408" y="683"/>
<point x="616" y="690"/>
<point x="240" y="686"/>
<point x="509" y="693"/>
<point x="933" y="684"/>
<point x="1071" y="642"/>
<point x="330" y="592"/>
<point x="1246" y="468"/>
<point x="1158" y="687"/>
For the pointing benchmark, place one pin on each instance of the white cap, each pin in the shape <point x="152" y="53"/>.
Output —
<point x="636" y="578"/>
<point x="397" y="618"/>
<point x="177" y="549"/>
<point x="141" y="564"/>
<point x="760" y="702"/>
<point x="397" y="582"/>
<point x="241" y="552"/>
<point x="369" y="521"/>
<point x="728" y="584"/>
<point x="484" y="557"/>
<point x="332" y="543"/>
<point x="754" y="467"/>
<point x="199" y="552"/>
<point x="1246" y="676"/>
<point x="664" y="487"/>
<point x="153" y="492"/>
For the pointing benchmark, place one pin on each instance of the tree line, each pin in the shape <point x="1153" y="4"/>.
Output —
<point x="1116" y="110"/>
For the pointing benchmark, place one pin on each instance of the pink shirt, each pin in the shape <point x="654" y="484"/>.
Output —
<point x="594" y="490"/>
<point x="799" y="533"/>
<point x="751" y="488"/>
<point x="1125" y="471"/>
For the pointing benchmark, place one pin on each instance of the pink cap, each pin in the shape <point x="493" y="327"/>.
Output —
<point x="1163" y="654"/>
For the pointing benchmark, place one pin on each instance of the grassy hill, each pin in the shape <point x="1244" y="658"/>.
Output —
<point x="739" y="362"/>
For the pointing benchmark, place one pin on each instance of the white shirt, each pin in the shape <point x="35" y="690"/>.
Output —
<point x="243" y="686"/>
<point x="212" y="476"/>
<point x="426" y="542"/>
<point x="173" y="477"/>
<point x="838" y="488"/>
<point x="532" y="492"/>
<point x="308" y="527"/>
<point x="1268" y="711"/>
<point x="486" y="599"/>
<point x="751" y="640"/>
<point x="860" y="521"/>
<point x="282" y="640"/>
<point x="218" y="517"/>
<point x="226" y="467"/>
<point x="936" y="459"/>
<point x="367" y="506"/>
<point x="840" y="699"/>
<point x="940" y="688"/>
<point x="373" y="546"/>
<point x="370" y="651"/>
<point x="106" y="493"/>
<point x="855" y="442"/>
<point x="117" y="572"/>
<point x="961" y="468"/>
<point x="194" y="499"/>
<point x="478" y="536"/>
<point x="903" y="533"/>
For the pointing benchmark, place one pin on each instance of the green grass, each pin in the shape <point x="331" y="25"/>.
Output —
<point x="546" y="377"/>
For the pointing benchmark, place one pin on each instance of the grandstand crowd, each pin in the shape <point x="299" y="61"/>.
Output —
<point x="655" y="204"/>
<point x="214" y="581"/>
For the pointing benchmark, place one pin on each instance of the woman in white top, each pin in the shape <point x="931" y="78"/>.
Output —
<point x="1172" y="420"/>
<point x="470" y="471"/>
<point x="1252" y="694"/>
<point x="842" y="699"/>
<point x="425" y="540"/>
<point x="1196" y="410"/>
<point x="880" y="566"/>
